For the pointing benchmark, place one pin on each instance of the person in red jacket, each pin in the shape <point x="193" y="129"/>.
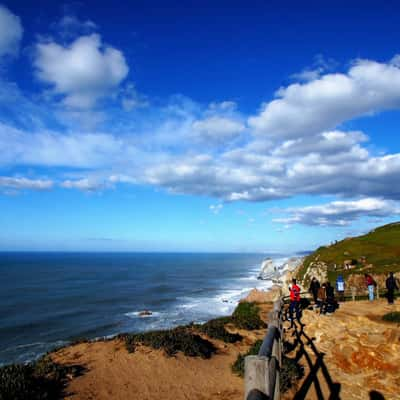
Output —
<point x="371" y="284"/>
<point x="294" y="301"/>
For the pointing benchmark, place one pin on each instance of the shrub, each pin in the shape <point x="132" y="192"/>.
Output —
<point x="291" y="372"/>
<point x="246" y="316"/>
<point x="215" y="329"/>
<point x="39" y="380"/>
<point x="238" y="365"/>
<point x="172" y="341"/>
<point x="392" y="316"/>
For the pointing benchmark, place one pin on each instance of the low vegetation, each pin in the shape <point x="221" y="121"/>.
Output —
<point x="392" y="317"/>
<point x="215" y="329"/>
<point x="247" y="316"/>
<point x="238" y="365"/>
<point x="171" y="341"/>
<point x="291" y="372"/>
<point x="39" y="380"/>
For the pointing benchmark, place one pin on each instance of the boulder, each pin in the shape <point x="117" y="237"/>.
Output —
<point x="260" y="296"/>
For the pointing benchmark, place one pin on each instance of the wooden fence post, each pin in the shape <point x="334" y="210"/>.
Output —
<point x="353" y="293"/>
<point x="256" y="374"/>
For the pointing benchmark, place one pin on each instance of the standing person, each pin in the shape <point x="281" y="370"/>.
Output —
<point x="391" y="285"/>
<point x="294" y="301"/>
<point x="322" y="298"/>
<point x="340" y="287"/>
<point x="314" y="286"/>
<point x="369" y="281"/>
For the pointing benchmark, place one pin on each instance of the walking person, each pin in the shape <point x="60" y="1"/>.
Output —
<point x="369" y="281"/>
<point x="340" y="287"/>
<point x="294" y="301"/>
<point x="391" y="285"/>
<point x="314" y="286"/>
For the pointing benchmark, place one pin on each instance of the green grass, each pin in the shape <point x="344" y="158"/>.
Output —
<point x="238" y="365"/>
<point x="392" y="317"/>
<point x="247" y="316"/>
<point x="171" y="341"/>
<point x="380" y="247"/>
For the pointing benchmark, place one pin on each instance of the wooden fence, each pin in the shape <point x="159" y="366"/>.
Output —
<point x="262" y="371"/>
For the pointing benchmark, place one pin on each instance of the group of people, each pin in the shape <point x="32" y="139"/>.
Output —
<point x="390" y="283"/>
<point x="324" y="295"/>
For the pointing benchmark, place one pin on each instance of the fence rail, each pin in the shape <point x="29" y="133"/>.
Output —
<point x="262" y="372"/>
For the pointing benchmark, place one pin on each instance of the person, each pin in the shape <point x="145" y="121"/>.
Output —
<point x="294" y="301"/>
<point x="321" y="296"/>
<point x="314" y="286"/>
<point x="369" y="281"/>
<point x="391" y="285"/>
<point x="340" y="287"/>
<point x="330" y="304"/>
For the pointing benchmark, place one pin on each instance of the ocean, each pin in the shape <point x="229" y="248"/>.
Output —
<point x="50" y="299"/>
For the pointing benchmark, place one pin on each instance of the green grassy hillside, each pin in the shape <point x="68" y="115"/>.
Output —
<point x="380" y="247"/>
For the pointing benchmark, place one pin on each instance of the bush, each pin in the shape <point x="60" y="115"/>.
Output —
<point x="392" y="316"/>
<point x="40" y="380"/>
<point x="215" y="329"/>
<point x="291" y="372"/>
<point x="172" y="341"/>
<point x="238" y="365"/>
<point x="246" y="316"/>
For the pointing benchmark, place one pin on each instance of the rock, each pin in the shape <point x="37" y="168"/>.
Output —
<point x="145" y="313"/>
<point x="317" y="269"/>
<point x="259" y="296"/>
<point x="268" y="270"/>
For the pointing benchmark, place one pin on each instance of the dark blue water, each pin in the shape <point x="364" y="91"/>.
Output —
<point x="49" y="299"/>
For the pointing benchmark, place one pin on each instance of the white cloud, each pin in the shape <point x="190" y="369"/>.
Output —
<point x="69" y="26"/>
<point x="10" y="32"/>
<point x="131" y="99"/>
<point x="21" y="183"/>
<point x="217" y="129"/>
<point x="307" y="109"/>
<point x="159" y="146"/>
<point x="216" y="208"/>
<point x="85" y="184"/>
<point x="48" y="148"/>
<point x="82" y="72"/>
<point x="340" y="213"/>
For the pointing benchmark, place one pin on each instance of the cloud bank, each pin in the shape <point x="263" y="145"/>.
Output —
<point x="296" y="144"/>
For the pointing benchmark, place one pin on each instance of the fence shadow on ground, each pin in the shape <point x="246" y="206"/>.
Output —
<point x="315" y="364"/>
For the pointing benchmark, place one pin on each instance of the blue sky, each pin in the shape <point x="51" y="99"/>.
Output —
<point x="197" y="126"/>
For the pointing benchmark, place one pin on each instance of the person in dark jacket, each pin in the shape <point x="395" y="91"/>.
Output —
<point x="391" y="285"/>
<point x="314" y="286"/>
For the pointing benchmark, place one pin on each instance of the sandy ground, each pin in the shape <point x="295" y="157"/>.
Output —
<point x="147" y="374"/>
<point x="362" y="354"/>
